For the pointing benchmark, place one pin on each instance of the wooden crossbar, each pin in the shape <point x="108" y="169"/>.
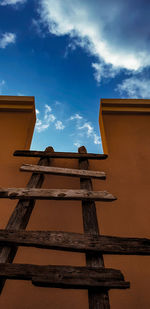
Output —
<point x="75" y="242"/>
<point x="62" y="171"/>
<point x="55" y="194"/>
<point x="65" y="276"/>
<point x="64" y="155"/>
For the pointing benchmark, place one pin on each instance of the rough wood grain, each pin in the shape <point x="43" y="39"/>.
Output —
<point x="97" y="300"/>
<point x="21" y="214"/>
<point x="62" y="171"/>
<point x="67" y="155"/>
<point x="55" y="194"/>
<point x="76" y="242"/>
<point x="65" y="276"/>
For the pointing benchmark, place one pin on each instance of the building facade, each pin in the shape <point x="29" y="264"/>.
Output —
<point x="125" y="131"/>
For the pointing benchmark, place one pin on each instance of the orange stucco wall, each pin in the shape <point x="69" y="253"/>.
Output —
<point x="127" y="168"/>
<point x="127" y="140"/>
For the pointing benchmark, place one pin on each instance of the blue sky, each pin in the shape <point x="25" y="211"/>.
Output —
<point x="69" y="54"/>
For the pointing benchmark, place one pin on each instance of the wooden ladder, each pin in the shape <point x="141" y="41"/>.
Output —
<point x="94" y="277"/>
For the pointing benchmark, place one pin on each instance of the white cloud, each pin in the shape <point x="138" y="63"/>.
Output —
<point x="6" y="39"/>
<point x="48" y="116"/>
<point x="42" y="125"/>
<point x="135" y="87"/>
<point x="104" y="71"/>
<point x="2" y="83"/>
<point x="57" y="103"/>
<point x="88" y="127"/>
<point x="47" y="109"/>
<point x="77" y="144"/>
<point x="76" y="116"/>
<point x="48" y="119"/>
<point x="106" y="29"/>
<point x="38" y="28"/>
<point x="98" y="71"/>
<point x="71" y="47"/>
<point x="59" y="125"/>
<point x="89" y="131"/>
<point x="97" y="139"/>
<point x="11" y="2"/>
<point x="20" y="94"/>
<point x="37" y="111"/>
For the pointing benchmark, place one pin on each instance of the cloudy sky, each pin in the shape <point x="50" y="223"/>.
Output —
<point x="69" y="54"/>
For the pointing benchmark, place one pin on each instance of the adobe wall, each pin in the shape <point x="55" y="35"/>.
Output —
<point x="127" y="168"/>
<point x="127" y="141"/>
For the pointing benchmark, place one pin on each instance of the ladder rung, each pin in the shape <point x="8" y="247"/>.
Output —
<point x="75" y="242"/>
<point x="65" y="276"/>
<point x="62" y="171"/>
<point x="64" y="155"/>
<point x="55" y="194"/>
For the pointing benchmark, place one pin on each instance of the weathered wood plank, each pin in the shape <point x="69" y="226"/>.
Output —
<point x="76" y="242"/>
<point x="48" y="282"/>
<point x="65" y="276"/>
<point x="62" y="171"/>
<point x="21" y="214"/>
<point x="67" y="155"/>
<point x="97" y="300"/>
<point x="55" y="194"/>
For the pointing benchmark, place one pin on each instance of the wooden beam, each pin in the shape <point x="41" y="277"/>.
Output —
<point x="21" y="214"/>
<point x="76" y="242"/>
<point x="97" y="299"/>
<point x="64" y="155"/>
<point x="65" y="276"/>
<point x="55" y="194"/>
<point x="62" y="171"/>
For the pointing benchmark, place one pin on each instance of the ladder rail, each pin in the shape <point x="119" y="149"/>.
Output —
<point x="97" y="300"/>
<point x="21" y="215"/>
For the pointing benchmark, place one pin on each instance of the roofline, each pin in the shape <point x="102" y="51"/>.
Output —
<point x="20" y="104"/>
<point x="17" y="104"/>
<point x="120" y="106"/>
<point x="125" y="106"/>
